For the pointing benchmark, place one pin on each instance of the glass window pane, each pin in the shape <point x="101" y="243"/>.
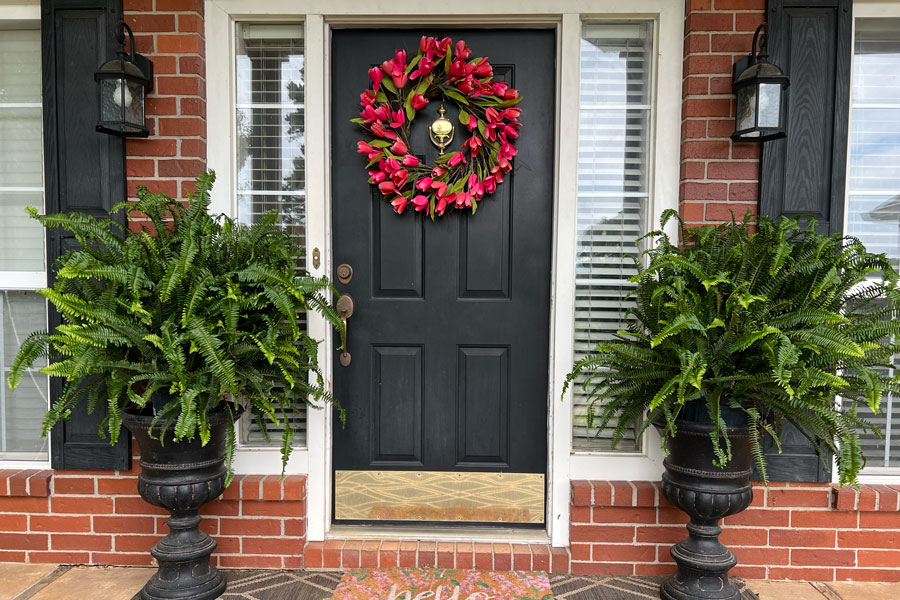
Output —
<point x="270" y="136"/>
<point x="873" y="194"/>
<point x="613" y="146"/>
<point x="22" y="410"/>
<point x="21" y="156"/>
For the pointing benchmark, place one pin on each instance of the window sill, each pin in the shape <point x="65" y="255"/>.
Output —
<point x="34" y="483"/>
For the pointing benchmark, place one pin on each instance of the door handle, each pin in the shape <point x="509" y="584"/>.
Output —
<point x="345" y="311"/>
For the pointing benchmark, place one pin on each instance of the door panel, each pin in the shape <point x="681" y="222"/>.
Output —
<point x="450" y="332"/>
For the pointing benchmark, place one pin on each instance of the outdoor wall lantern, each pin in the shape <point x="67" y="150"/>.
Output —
<point x="122" y="84"/>
<point x="760" y="90"/>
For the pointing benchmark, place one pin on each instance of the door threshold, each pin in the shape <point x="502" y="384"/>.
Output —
<point x="439" y="533"/>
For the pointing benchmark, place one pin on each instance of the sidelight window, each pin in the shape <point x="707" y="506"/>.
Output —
<point x="270" y="172"/>
<point x="873" y="186"/>
<point x="613" y="193"/>
<point x="22" y="249"/>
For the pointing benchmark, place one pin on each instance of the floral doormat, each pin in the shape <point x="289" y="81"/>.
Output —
<point x="443" y="584"/>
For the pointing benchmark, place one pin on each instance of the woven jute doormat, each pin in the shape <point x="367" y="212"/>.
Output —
<point x="443" y="584"/>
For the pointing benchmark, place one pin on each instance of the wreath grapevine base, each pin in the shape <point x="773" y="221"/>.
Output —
<point x="487" y="114"/>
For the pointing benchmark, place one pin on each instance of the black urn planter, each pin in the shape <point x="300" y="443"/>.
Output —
<point x="707" y="494"/>
<point x="181" y="477"/>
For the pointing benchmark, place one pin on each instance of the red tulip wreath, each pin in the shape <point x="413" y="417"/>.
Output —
<point x="400" y="89"/>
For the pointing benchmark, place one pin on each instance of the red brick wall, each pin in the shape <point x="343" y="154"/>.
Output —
<point x="717" y="175"/>
<point x="791" y="531"/>
<point x="97" y="517"/>
<point x="171" y="34"/>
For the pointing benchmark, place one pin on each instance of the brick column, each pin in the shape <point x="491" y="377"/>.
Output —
<point x="171" y="34"/>
<point x="717" y="175"/>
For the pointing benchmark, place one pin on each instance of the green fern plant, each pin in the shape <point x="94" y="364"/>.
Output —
<point x="776" y="323"/>
<point x="196" y="307"/>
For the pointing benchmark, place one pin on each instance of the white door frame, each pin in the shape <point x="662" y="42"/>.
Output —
<point x="565" y="16"/>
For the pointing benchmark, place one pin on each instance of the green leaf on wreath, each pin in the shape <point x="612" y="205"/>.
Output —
<point x="380" y="143"/>
<point x="412" y="64"/>
<point x="463" y="117"/>
<point x="444" y="157"/>
<point x="447" y="62"/>
<point x="407" y="106"/>
<point x="423" y="86"/>
<point x="431" y="206"/>
<point x="457" y="96"/>
<point x="359" y="120"/>
<point x="474" y="205"/>
<point x="373" y="161"/>
<point x="386" y="82"/>
<point x="508" y="103"/>
<point x="380" y="97"/>
<point x="481" y="129"/>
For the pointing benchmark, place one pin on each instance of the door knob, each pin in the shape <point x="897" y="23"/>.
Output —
<point x="345" y="311"/>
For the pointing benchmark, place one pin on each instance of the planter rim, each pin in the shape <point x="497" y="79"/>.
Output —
<point x="130" y="416"/>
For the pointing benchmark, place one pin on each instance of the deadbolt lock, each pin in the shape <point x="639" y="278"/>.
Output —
<point x="344" y="273"/>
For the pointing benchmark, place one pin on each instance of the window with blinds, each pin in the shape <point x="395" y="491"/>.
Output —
<point x="873" y="189"/>
<point x="613" y="195"/>
<point x="270" y="168"/>
<point x="22" y="252"/>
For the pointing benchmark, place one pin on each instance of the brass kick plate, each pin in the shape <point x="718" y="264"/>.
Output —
<point x="439" y="496"/>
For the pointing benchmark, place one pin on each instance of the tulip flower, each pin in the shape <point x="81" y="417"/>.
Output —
<point x="410" y="161"/>
<point x="511" y="130"/>
<point x="391" y="165"/>
<point x="511" y="94"/>
<point x="367" y="98"/>
<point x="426" y="44"/>
<point x="490" y="185"/>
<point x="443" y="45"/>
<point x="420" y="202"/>
<point x="380" y="131"/>
<point x="425" y="66"/>
<point x="461" y="51"/>
<point x="438" y="172"/>
<point x="424" y="184"/>
<point x="398" y="118"/>
<point x="399" y="178"/>
<point x="463" y="199"/>
<point x="368" y="115"/>
<point x="375" y="75"/>
<point x="440" y="187"/>
<point x="383" y="113"/>
<point x="377" y="177"/>
<point x="499" y="89"/>
<point x="456" y="159"/>
<point x="399" y="147"/>
<point x="418" y="101"/>
<point x="473" y="143"/>
<point x="440" y="207"/>
<point x="363" y="147"/>
<point x="511" y="113"/>
<point x="399" y="204"/>
<point x="386" y="188"/>
<point x="492" y="115"/>
<point x="472" y="125"/>
<point x="483" y="68"/>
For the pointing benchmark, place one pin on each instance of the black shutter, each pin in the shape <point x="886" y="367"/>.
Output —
<point x="805" y="172"/>
<point x="84" y="171"/>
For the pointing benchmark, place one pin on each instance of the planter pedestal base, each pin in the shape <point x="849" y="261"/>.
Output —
<point x="707" y="494"/>
<point x="703" y="565"/>
<point x="181" y="477"/>
<point x="184" y="568"/>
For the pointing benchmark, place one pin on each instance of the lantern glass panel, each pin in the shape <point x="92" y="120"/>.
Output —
<point x="769" y="104"/>
<point x="134" y="103"/>
<point x="110" y="100"/>
<point x="746" y="108"/>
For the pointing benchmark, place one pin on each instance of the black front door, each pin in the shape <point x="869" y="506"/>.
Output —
<point x="446" y="393"/>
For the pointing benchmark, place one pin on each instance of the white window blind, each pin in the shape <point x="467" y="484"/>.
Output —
<point x="21" y="158"/>
<point x="269" y="105"/>
<point x="613" y="146"/>
<point x="21" y="241"/>
<point x="873" y="196"/>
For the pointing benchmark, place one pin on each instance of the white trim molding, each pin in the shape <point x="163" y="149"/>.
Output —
<point x="566" y="16"/>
